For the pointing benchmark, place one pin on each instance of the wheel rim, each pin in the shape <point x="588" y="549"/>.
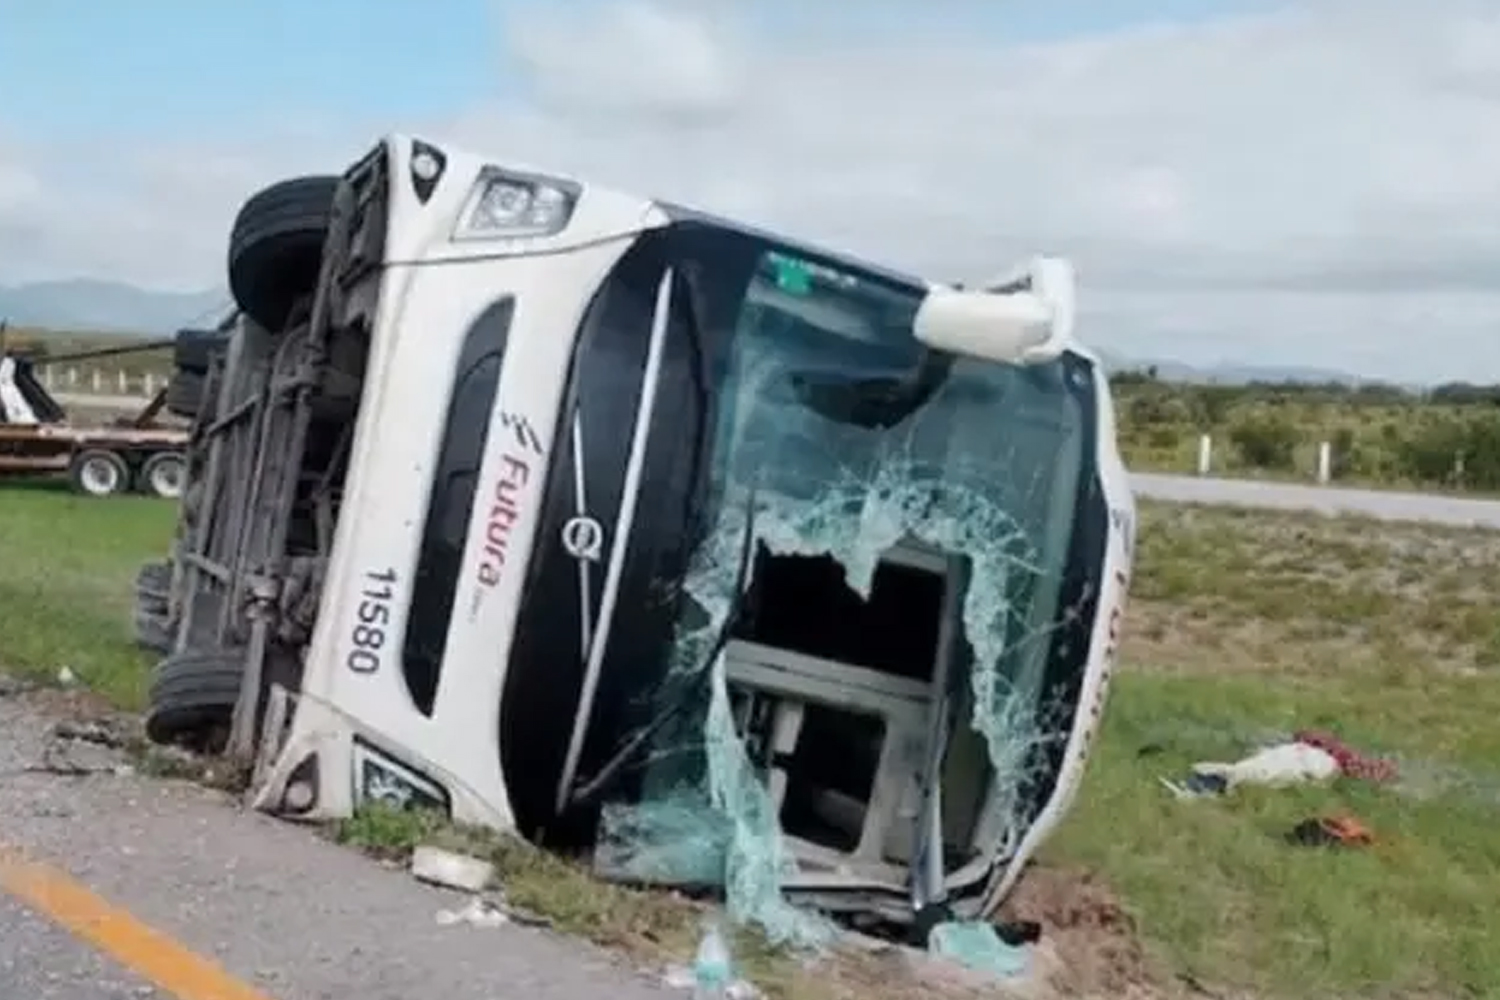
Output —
<point x="165" y="477"/>
<point x="99" y="477"/>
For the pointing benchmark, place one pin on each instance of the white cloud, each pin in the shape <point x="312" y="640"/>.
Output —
<point x="1319" y="185"/>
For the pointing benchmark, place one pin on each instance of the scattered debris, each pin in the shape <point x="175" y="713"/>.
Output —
<point x="478" y="912"/>
<point x="79" y="748"/>
<point x="95" y="731"/>
<point x="1336" y="831"/>
<point x="12" y="686"/>
<point x="712" y="975"/>
<point x="1310" y="756"/>
<point x="1196" y="785"/>
<point x="66" y="677"/>
<point x="1351" y="762"/>
<point x="1274" y="767"/>
<point x="1277" y="766"/>
<point x="977" y="946"/>
<point x="451" y="870"/>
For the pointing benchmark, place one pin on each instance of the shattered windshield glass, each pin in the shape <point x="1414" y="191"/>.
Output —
<point x="841" y="443"/>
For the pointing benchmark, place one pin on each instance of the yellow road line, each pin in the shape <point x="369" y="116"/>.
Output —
<point x="142" y="949"/>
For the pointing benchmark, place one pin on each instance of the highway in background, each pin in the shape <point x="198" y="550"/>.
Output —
<point x="1431" y="508"/>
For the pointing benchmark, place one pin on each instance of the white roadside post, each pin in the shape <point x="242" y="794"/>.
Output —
<point x="1325" y="462"/>
<point x="1205" y="454"/>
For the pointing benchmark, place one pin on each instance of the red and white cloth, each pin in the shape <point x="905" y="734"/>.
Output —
<point x="1352" y="763"/>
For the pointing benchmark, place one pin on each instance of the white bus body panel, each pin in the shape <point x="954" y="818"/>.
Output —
<point x="423" y="314"/>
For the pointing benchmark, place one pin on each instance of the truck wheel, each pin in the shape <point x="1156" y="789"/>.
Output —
<point x="276" y="248"/>
<point x="193" y="696"/>
<point x="163" y="475"/>
<point x="99" y="473"/>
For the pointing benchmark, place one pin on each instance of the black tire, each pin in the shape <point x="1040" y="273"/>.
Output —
<point x="99" y="473"/>
<point x="276" y="247"/>
<point x="153" y="631"/>
<point x="154" y="581"/>
<point x="185" y="393"/>
<point x="163" y="475"/>
<point x="193" y="696"/>
<point x="194" y="350"/>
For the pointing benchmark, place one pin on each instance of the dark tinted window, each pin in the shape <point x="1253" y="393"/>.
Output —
<point x="465" y="434"/>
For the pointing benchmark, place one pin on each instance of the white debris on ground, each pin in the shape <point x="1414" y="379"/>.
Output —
<point x="451" y="870"/>
<point x="1278" y="766"/>
<point x="478" y="912"/>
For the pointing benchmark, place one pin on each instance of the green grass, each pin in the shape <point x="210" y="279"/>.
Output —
<point x="1242" y="625"/>
<point x="1246" y="625"/>
<point x="67" y="570"/>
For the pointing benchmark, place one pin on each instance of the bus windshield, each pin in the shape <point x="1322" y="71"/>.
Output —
<point x="839" y="442"/>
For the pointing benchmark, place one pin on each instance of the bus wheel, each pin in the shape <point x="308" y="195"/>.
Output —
<point x="192" y="698"/>
<point x="99" y="473"/>
<point x="164" y="475"/>
<point x="276" y="248"/>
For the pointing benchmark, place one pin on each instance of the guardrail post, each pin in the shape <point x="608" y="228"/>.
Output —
<point x="1325" y="462"/>
<point x="148" y="383"/>
<point x="97" y="381"/>
<point x="72" y="377"/>
<point x="1205" y="454"/>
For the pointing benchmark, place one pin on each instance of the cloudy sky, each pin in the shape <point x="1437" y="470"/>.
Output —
<point x="1293" y="183"/>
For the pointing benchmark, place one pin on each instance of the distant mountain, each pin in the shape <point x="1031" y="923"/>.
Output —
<point x="1227" y="373"/>
<point x="107" y="307"/>
<point x="1231" y="374"/>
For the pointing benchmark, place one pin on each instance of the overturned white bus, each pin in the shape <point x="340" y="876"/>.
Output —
<point x="545" y="505"/>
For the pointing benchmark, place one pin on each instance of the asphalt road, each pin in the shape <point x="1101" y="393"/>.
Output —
<point x="38" y="961"/>
<point x="1431" y="508"/>
<point x="287" y="915"/>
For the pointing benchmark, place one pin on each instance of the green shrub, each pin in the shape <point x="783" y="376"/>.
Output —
<point x="1266" y="441"/>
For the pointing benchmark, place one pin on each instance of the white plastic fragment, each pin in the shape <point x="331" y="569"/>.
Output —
<point x="478" y="912"/>
<point x="454" y="871"/>
<point x="66" y="677"/>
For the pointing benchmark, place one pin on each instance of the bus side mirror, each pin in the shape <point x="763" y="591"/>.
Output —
<point x="1022" y="319"/>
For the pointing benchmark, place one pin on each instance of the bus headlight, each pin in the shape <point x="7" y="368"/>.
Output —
<point x="506" y="204"/>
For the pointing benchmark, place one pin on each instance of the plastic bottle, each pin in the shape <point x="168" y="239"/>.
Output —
<point x="712" y="967"/>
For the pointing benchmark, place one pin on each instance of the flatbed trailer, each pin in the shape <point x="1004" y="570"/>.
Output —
<point x="99" y="461"/>
<point x="133" y="454"/>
